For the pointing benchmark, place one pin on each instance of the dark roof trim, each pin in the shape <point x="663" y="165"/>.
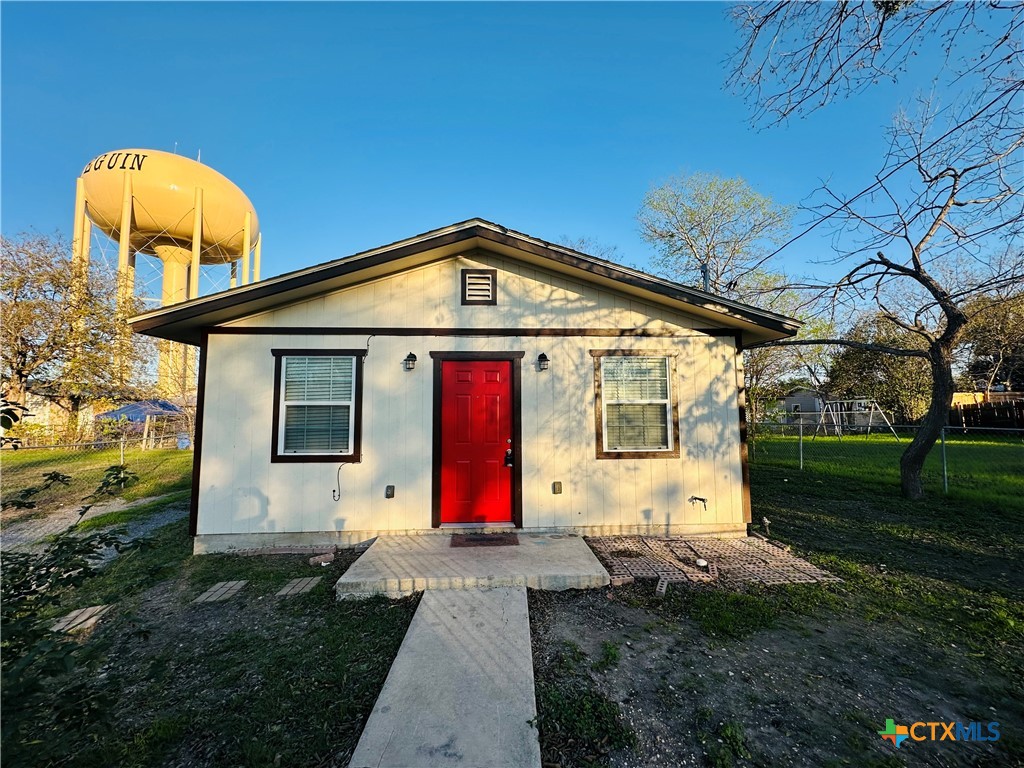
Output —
<point x="639" y="279"/>
<point x="473" y="229"/>
<point x="380" y="330"/>
<point x="292" y="281"/>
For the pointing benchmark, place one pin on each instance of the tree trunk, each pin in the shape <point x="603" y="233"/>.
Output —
<point x="72" y="405"/>
<point x="912" y="460"/>
<point x="17" y="389"/>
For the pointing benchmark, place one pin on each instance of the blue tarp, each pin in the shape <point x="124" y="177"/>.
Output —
<point x="137" y="412"/>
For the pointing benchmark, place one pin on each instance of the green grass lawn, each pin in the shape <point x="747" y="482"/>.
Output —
<point x="159" y="471"/>
<point x="980" y="468"/>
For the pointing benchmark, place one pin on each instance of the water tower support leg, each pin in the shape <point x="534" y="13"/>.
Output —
<point x="256" y="261"/>
<point x="234" y="274"/>
<point x="124" y="287"/>
<point x="78" y="249"/>
<point x="246" y="246"/>
<point x="86" y="247"/>
<point x="197" y="245"/>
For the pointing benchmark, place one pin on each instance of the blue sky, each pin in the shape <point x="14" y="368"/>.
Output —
<point x="351" y="125"/>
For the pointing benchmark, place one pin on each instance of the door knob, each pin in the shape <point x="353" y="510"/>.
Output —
<point x="508" y="458"/>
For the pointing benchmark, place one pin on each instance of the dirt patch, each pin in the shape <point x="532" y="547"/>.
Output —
<point x="809" y="692"/>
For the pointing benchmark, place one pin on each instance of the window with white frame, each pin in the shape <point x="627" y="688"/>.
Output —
<point x="635" y="406"/>
<point x="316" y="414"/>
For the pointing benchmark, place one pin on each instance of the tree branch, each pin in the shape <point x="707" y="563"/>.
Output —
<point x="870" y="347"/>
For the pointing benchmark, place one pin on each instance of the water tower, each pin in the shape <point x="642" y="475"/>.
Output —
<point x="178" y="210"/>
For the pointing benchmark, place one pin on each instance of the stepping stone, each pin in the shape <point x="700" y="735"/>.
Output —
<point x="82" y="619"/>
<point x="222" y="590"/>
<point x="298" y="586"/>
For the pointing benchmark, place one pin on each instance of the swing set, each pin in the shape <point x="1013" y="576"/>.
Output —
<point x="851" y="414"/>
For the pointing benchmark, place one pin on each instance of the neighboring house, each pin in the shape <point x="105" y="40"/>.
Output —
<point x="468" y="378"/>
<point x="46" y="423"/>
<point x="801" y="404"/>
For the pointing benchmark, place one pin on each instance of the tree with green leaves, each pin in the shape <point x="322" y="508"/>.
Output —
<point x="718" y="232"/>
<point x="994" y="340"/>
<point x="935" y="227"/>
<point x="899" y="384"/>
<point x="770" y="372"/>
<point x="712" y="232"/>
<point x="61" y="337"/>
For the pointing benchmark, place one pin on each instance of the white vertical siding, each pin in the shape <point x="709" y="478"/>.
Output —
<point x="242" y="492"/>
<point x="429" y="296"/>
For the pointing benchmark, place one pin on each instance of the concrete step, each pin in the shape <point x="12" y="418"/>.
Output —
<point x="400" y="565"/>
<point x="460" y="691"/>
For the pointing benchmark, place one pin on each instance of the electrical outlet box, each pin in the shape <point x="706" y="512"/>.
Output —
<point x="556" y="487"/>
<point x="389" y="492"/>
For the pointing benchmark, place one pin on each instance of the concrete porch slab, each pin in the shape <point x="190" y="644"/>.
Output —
<point x="400" y="565"/>
<point x="460" y="691"/>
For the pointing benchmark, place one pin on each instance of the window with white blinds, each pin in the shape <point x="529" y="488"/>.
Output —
<point x="636" y="403"/>
<point x="318" y="405"/>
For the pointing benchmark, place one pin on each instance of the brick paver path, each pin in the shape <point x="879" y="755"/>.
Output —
<point x="732" y="561"/>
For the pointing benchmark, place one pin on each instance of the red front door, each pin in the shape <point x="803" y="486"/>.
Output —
<point x="476" y="432"/>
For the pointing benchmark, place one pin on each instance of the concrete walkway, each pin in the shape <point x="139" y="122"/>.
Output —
<point x="460" y="691"/>
<point x="28" y="535"/>
<point x="400" y="565"/>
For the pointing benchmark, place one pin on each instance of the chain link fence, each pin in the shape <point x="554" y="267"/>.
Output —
<point x="38" y="480"/>
<point x="156" y="431"/>
<point x="963" y="459"/>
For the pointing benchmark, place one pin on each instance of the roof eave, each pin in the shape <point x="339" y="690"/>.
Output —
<point x="184" y="322"/>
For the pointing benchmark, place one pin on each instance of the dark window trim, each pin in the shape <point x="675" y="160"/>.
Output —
<point x="516" y="359"/>
<point x="276" y="457"/>
<point x="601" y="453"/>
<point x="493" y="274"/>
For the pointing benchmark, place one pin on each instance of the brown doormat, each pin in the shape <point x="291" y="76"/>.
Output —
<point x="485" y="540"/>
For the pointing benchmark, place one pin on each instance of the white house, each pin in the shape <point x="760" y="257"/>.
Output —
<point x="468" y="378"/>
<point x="801" y="405"/>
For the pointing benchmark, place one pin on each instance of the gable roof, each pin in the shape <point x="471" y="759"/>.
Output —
<point x="184" y="322"/>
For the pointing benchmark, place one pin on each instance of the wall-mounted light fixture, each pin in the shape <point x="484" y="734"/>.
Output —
<point x="409" y="362"/>
<point x="543" y="361"/>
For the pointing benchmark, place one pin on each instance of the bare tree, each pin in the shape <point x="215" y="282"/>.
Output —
<point x="935" y="227"/>
<point x="796" y="57"/>
<point x="591" y="247"/>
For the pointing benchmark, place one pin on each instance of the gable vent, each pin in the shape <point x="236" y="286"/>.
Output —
<point x="479" y="286"/>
